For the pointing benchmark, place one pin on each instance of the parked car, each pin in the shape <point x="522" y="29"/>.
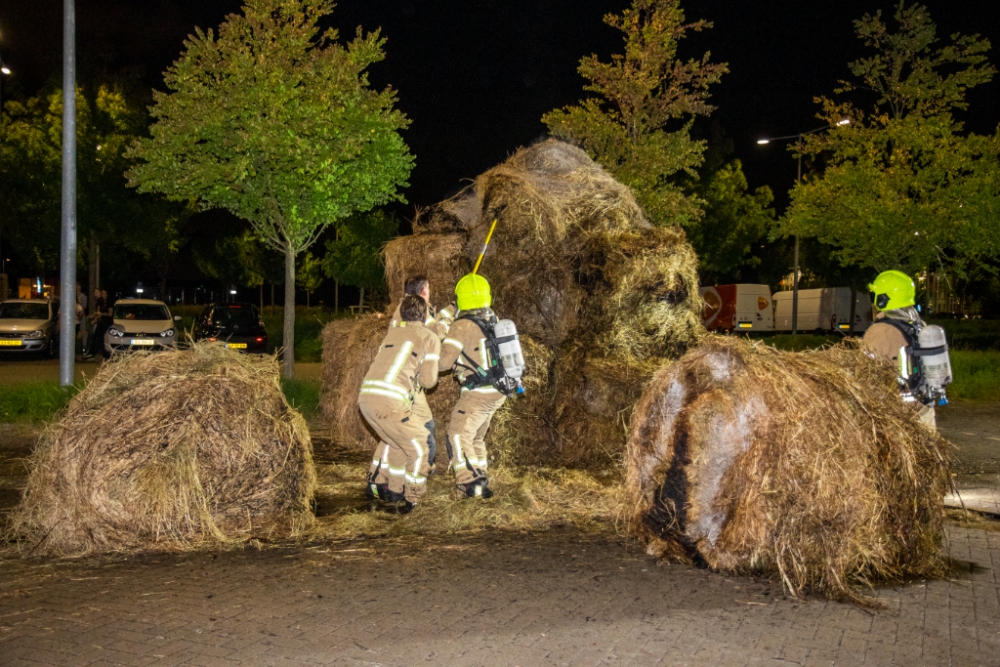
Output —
<point x="742" y="307"/>
<point x="142" y="324"/>
<point x="824" y="309"/>
<point x="238" y="325"/>
<point x="29" y="325"/>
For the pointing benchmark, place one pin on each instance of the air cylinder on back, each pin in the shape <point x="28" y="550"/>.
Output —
<point x="933" y="353"/>
<point x="510" y="349"/>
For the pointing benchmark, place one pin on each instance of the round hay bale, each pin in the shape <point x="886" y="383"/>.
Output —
<point x="349" y="347"/>
<point x="804" y="464"/>
<point x="167" y="451"/>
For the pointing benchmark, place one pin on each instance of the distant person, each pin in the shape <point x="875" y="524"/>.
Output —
<point x="918" y="351"/>
<point x="406" y="361"/>
<point x="82" y="322"/>
<point x="101" y="319"/>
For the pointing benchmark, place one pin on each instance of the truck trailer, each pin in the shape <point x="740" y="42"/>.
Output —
<point x="742" y="307"/>
<point x="824" y="310"/>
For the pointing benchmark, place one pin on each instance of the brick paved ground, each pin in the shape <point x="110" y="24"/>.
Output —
<point x="556" y="599"/>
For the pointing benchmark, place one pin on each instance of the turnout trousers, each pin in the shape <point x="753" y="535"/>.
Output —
<point x="421" y="414"/>
<point x="470" y="420"/>
<point x="401" y="459"/>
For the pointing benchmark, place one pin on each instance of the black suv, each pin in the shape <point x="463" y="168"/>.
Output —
<point x="238" y="325"/>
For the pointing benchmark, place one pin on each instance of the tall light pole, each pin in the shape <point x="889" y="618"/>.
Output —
<point x="67" y="260"/>
<point x="800" y="137"/>
<point x="4" y="71"/>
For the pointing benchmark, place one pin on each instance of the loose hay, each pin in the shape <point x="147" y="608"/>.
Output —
<point x="805" y="464"/>
<point x="167" y="451"/>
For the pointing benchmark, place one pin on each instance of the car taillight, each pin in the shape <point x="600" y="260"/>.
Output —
<point x="260" y="339"/>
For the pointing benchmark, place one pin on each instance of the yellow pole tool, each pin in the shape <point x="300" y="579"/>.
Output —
<point x="486" y="245"/>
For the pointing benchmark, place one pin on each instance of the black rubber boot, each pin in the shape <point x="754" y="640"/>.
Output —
<point x="405" y="508"/>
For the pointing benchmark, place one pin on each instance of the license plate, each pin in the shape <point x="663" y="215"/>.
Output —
<point x="745" y="325"/>
<point x="10" y="343"/>
<point x="236" y="346"/>
<point x="141" y="341"/>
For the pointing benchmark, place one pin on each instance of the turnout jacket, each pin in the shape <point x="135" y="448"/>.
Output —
<point x="439" y="322"/>
<point x="407" y="360"/>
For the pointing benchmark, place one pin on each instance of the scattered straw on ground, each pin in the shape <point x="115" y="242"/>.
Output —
<point x="534" y="499"/>
<point x="805" y="464"/>
<point x="169" y="451"/>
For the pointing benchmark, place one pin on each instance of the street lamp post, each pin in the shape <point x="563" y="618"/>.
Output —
<point x="800" y="137"/>
<point x="67" y="260"/>
<point x="5" y="71"/>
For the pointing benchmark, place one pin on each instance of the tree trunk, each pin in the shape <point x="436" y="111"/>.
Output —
<point x="261" y="298"/>
<point x="336" y="296"/>
<point x="272" y="298"/>
<point x="92" y="283"/>
<point x="361" y="304"/>
<point x="288" y="355"/>
<point x="308" y="299"/>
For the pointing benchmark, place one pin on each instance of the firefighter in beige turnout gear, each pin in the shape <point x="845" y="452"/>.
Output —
<point x="439" y="324"/>
<point x="462" y="350"/>
<point x="406" y="361"/>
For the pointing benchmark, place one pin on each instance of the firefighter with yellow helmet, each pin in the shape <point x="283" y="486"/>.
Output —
<point x="918" y="351"/>
<point x="486" y="357"/>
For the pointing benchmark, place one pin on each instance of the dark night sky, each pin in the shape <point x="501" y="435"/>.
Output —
<point x="476" y="76"/>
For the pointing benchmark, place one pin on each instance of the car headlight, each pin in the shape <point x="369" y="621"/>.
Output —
<point x="168" y="333"/>
<point x="35" y="334"/>
<point x="116" y="332"/>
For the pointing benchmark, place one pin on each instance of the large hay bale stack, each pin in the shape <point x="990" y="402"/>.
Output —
<point x="806" y="464"/>
<point x="169" y="450"/>
<point x="576" y="265"/>
<point x="349" y="347"/>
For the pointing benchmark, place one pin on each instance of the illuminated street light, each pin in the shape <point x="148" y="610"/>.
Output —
<point x="800" y="137"/>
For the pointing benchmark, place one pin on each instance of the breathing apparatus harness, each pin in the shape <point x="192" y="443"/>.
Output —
<point x="924" y="380"/>
<point x="496" y="375"/>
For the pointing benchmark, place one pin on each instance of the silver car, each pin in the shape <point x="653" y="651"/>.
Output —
<point x="140" y="324"/>
<point x="28" y="325"/>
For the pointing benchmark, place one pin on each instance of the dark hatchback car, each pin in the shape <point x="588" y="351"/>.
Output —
<point x="238" y="325"/>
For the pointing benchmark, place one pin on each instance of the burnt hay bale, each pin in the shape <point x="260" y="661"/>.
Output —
<point x="804" y="464"/>
<point x="167" y="451"/>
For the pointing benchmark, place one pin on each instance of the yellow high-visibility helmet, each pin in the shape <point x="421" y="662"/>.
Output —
<point x="472" y="292"/>
<point x="893" y="289"/>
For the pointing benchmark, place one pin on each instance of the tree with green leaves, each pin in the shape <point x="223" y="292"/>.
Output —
<point x="126" y="223"/>
<point x="310" y="275"/>
<point x="355" y="257"/>
<point x="274" y="120"/>
<point x="736" y="221"/>
<point x="904" y="186"/>
<point x="638" y="124"/>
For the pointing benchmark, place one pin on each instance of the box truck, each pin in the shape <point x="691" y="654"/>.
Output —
<point x="737" y="308"/>
<point x="823" y="310"/>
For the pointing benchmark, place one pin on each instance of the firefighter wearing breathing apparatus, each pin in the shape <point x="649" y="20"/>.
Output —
<point x="438" y="323"/>
<point x="918" y="350"/>
<point x="486" y="357"/>
<point x="406" y="361"/>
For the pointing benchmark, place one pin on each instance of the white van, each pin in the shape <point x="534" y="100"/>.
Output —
<point x="824" y="309"/>
<point x="741" y="307"/>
